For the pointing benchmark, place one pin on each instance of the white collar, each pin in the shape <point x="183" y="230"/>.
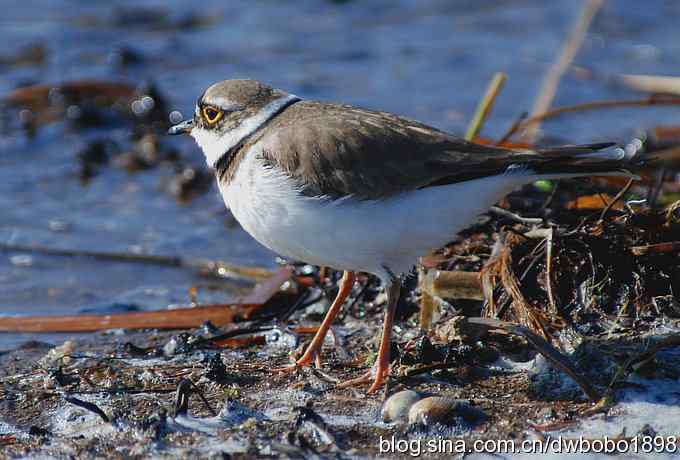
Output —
<point x="215" y="147"/>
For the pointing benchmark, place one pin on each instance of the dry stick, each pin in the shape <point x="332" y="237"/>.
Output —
<point x="116" y="390"/>
<point x="658" y="248"/>
<point x="179" y="318"/>
<point x="616" y="198"/>
<point x="652" y="100"/>
<point x="551" y="353"/>
<point x="650" y="83"/>
<point x="549" y="269"/>
<point x="669" y="342"/>
<point x="551" y="197"/>
<point x="185" y="388"/>
<point x="427" y="302"/>
<point x="113" y="256"/>
<point x="655" y="189"/>
<point x="513" y="129"/>
<point x="508" y="299"/>
<point x="485" y="105"/>
<point x="453" y="284"/>
<point x="515" y="217"/>
<point x="213" y="266"/>
<point x="203" y="398"/>
<point x="567" y="55"/>
<point x="92" y="407"/>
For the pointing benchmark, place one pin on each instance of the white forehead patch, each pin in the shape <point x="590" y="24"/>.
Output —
<point x="214" y="145"/>
<point x="224" y="104"/>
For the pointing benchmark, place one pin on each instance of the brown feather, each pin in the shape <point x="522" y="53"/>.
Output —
<point x="339" y="150"/>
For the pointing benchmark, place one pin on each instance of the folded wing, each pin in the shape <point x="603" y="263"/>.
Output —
<point x="337" y="151"/>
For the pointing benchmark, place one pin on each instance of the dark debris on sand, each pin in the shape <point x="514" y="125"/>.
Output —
<point x="182" y="394"/>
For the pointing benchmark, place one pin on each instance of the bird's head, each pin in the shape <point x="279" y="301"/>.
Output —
<point x="229" y="112"/>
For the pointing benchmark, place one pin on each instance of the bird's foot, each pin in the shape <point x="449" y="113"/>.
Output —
<point x="288" y="369"/>
<point x="310" y="356"/>
<point x="377" y="375"/>
<point x="313" y="352"/>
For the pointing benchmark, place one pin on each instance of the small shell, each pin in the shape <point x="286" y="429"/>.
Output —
<point x="397" y="406"/>
<point x="446" y="411"/>
<point x="60" y="355"/>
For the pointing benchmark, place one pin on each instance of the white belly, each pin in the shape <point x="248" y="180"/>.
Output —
<point x="350" y="234"/>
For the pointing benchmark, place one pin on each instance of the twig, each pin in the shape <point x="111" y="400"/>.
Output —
<point x="89" y="406"/>
<point x="214" y="267"/>
<point x="668" y="342"/>
<point x="655" y="189"/>
<point x="513" y="129"/>
<point x="412" y="372"/>
<point x="485" y="106"/>
<point x="178" y="318"/>
<point x="616" y="198"/>
<point x="508" y="299"/>
<point x="318" y="373"/>
<point x="427" y="303"/>
<point x="549" y="269"/>
<point x="453" y="284"/>
<point x="114" y="256"/>
<point x="516" y="217"/>
<point x="551" y="353"/>
<point x="654" y="99"/>
<point x="428" y="306"/>
<point x="227" y="335"/>
<point x="658" y="248"/>
<point x="184" y="389"/>
<point x="567" y="55"/>
<point x="119" y="390"/>
<point x="651" y="83"/>
<point x="546" y="204"/>
<point x="203" y="398"/>
<point x="555" y="426"/>
<point x="7" y="439"/>
<point x="182" y="394"/>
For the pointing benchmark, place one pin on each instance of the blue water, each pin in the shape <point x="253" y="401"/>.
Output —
<point x="429" y="60"/>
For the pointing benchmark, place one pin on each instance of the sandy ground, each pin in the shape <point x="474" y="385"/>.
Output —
<point x="300" y="415"/>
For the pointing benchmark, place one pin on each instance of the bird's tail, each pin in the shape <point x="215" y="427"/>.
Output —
<point x="603" y="159"/>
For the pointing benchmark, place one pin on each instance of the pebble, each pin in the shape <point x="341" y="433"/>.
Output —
<point x="59" y="355"/>
<point x="443" y="410"/>
<point x="397" y="406"/>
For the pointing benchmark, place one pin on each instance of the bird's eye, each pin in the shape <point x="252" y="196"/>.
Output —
<point x="212" y="115"/>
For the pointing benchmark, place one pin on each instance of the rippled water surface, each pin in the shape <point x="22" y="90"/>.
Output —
<point x="430" y="60"/>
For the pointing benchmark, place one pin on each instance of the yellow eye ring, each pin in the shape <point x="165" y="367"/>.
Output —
<point x="212" y="115"/>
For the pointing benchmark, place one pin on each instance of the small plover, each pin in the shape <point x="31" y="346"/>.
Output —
<point x="359" y="190"/>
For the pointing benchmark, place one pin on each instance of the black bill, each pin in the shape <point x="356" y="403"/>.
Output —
<point x="181" y="128"/>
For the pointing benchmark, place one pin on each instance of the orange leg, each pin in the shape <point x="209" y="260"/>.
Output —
<point x="382" y="365"/>
<point x="314" y="349"/>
